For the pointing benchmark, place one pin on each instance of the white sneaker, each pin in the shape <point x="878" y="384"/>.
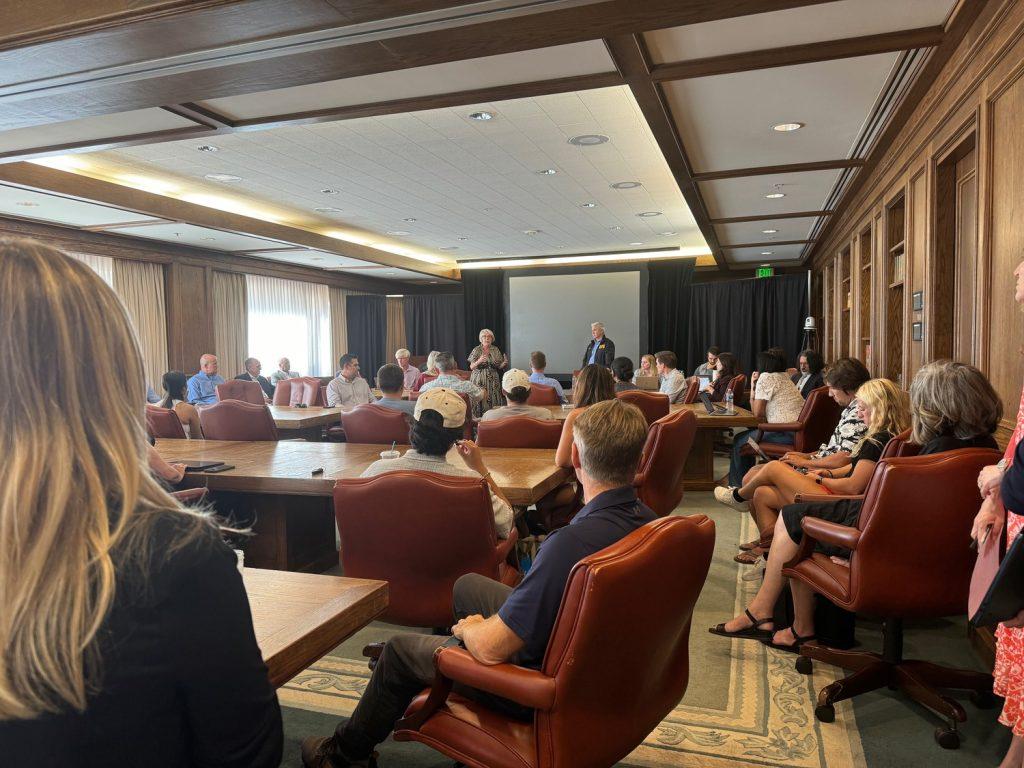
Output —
<point x="757" y="572"/>
<point x="724" y="496"/>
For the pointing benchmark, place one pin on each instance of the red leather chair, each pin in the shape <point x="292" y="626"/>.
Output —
<point x="164" y="422"/>
<point x="423" y="379"/>
<point x="283" y="392"/>
<point x="542" y="394"/>
<point x="738" y="386"/>
<point x="519" y="432"/>
<point x="420" y="532"/>
<point x="604" y="685"/>
<point x="306" y="390"/>
<point x="692" y="389"/>
<point x="239" y="389"/>
<point x="897" y="447"/>
<point x="909" y="559"/>
<point x="654" y="405"/>
<point x="235" y="420"/>
<point x="817" y="419"/>
<point x="469" y="424"/>
<point x="464" y="375"/>
<point x="659" y="478"/>
<point x="369" y="423"/>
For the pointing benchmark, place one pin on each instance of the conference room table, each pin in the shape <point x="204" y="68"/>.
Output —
<point x="305" y="423"/>
<point x="699" y="469"/>
<point x="294" y="509"/>
<point x="299" y="617"/>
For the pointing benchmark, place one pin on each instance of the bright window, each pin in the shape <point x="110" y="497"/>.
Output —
<point x="289" y="319"/>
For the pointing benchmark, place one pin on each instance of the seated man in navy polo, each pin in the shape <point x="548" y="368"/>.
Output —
<point x="496" y="623"/>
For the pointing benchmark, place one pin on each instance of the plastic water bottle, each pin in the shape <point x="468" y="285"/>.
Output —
<point x="728" y="402"/>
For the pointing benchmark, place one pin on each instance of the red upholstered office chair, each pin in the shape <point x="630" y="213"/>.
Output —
<point x="738" y="386"/>
<point x="469" y="424"/>
<point x="464" y="375"/>
<point x="420" y="532"/>
<point x="909" y="559"/>
<point x="692" y="390"/>
<point x="235" y="420"/>
<point x="518" y="432"/>
<point x="654" y="405"/>
<point x="603" y="686"/>
<point x="369" y="423"/>
<point x="308" y="391"/>
<point x="164" y="422"/>
<point x="659" y="478"/>
<point x="423" y="379"/>
<point x="239" y="389"/>
<point x="817" y="419"/>
<point x="283" y="392"/>
<point x="541" y="394"/>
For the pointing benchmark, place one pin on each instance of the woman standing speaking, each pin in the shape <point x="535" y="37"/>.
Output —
<point x="486" y="363"/>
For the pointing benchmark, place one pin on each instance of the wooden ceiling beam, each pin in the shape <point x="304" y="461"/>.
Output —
<point x="807" y="53"/>
<point x="771" y="217"/>
<point x="771" y="170"/>
<point x="630" y="55"/>
<point x="41" y="178"/>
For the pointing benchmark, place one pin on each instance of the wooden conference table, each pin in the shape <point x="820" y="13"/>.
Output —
<point x="299" y="617"/>
<point x="699" y="470"/>
<point x="294" y="509"/>
<point x="306" y="423"/>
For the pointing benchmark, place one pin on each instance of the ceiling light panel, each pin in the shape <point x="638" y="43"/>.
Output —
<point x="807" y="191"/>
<point x="751" y="231"/>
<point x="756" y="255"/>
<point x="94" y="128"/>
<point x="62" y="210"/>
<point x="188" y="234"/>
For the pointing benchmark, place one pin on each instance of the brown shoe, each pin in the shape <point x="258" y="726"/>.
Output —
<point x="317" y="753"/>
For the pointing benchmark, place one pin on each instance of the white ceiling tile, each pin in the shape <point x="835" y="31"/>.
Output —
<point x="753" y="231"/>
<point x="61" y="210"/>
<point x="200" y="237"/>
<point x="795" y="26"/>
<point x="92" y="129"/>
<point x="806" y="191"/>
<point x="757" y="255"/>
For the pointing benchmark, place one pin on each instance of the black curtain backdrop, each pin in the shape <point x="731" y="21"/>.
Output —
<point x="436" y="322"/>
<point x="669" y="285"/>
<point x="747" y="316"/>
<point x="367" y="318"/>
<point x="484" y="292"/>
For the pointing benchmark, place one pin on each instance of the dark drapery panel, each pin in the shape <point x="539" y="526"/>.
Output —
<point x="367" y="317"/>
<point x="747" y="316"/>
<point x="668" y="306"/>
<point x="484" y="291"/>
<point x="436" y="322"/>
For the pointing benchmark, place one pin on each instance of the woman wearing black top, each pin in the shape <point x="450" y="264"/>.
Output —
<point x="124" y="624"/>
<point x="727" y="367"/>
<point x="952" y="406"/>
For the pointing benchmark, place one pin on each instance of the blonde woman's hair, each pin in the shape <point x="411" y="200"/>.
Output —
<point x="650" y="359"/>
<point x="74" y="482"/>
<point x="432" y="363"/>
<point x="890" y="411"/>
<point x="948" y="398"/>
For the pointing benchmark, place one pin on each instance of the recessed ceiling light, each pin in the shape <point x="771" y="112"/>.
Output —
<point x="668" y="234"/>
<point x="616" y="228"/>
<point x="648" y="214"/>
<point x="433" y="282"/>
<point x="765" y="265"/>
<point x="409" y="219"/>
<point x="27" y="204"/>
<point x="226" y="177"/>
<point x="206" y="148"/>
<point x="774" y="195"/>
<point x="626" y="185"/>
<point x="450" y="248"/>
<point x="462" y="238"/>
<point x="787" y="127"/>
<point x="209" y="239"/>
<point x="547" y="172"/>
<point x="499" y="253"/>
<point x="532" y="231"/>
<point x="588" y="140"/>
<point x="327" y="210"/>
<point x="769" y="231"/>
<point x="767" y="253"/>
<point x="329" y="191"/>
<point x="390" y="272"/>
<point x="588" y="205"/>
<point x="399" y="232"/>
<point x="316" y="258"/>
<point x="559" y="247"/>
<point x="636" y="243"/>
<point x="481" y="116"/>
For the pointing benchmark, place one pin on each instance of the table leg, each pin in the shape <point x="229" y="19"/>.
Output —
<point x="699" y="470"/>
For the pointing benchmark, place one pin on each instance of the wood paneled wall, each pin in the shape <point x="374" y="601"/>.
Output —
<point x="952" y="184"/>
<point x="188" y="277"/>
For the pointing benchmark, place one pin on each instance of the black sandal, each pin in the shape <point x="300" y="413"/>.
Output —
<point x="747" y="633"/>
<point x="798" y="640"/>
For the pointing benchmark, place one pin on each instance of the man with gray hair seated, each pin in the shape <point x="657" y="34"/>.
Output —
<point x="445" y="362"/>
<point x="601" y="350"/>
<point x="252" y="373"/>
<point x="283" y="372"/>
<point x="202" y="388"/>
<point x="409" y="373"/>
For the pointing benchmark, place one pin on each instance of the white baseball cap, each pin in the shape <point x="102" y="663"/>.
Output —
<point x="515" y="378"/>
<point x="446" y="402"/>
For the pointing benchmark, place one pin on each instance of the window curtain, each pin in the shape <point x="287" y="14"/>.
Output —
<point x="439" y="322"/>
<point x="288" y="318"/>
<point x="339" y="322"/>
<point x="396" y="324"/>
<point x="367" y="332"/>
<point x="141" y="287"/>
<point x="101" y="265"/>
<point x="747" y="316"/>
<point x="668" y="306"/>
<point x="484" y="301"/>
<point x="230" y="317"/>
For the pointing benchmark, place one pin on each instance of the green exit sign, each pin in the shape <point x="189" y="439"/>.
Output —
<point x="765" y="271"/>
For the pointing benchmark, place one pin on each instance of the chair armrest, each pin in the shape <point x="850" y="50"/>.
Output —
<point x="528" y="687"/>
<point x="786" y="426"/>
<point x="506" y="545"/>
<point x="831" y="533"/>
<point x="801" y="497"/>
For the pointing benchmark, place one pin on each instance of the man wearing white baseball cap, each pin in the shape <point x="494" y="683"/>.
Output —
<point x="438" y="419"/>
<point x="516" y="386"/>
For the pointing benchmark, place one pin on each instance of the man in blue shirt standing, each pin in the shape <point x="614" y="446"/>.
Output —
<point x="496" y="623"/>
<point x="601" y="350"/>
<point x="538" y="362"/>
<point x="202" y="388"/>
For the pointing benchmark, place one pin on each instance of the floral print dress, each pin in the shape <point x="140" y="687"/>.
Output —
<point x="488" y="378"/>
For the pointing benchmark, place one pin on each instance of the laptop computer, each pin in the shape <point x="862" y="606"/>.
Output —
<point x="704" y="381"/>
<point x="712" y="409"/>
<point x="648" y="383"/>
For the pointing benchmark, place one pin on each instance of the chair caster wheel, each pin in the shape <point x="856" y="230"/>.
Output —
<point x="947" y="738"/>
<point x="984" y="699"/>
<point x="804" y="665"/>
<point x="825" y="713"/>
